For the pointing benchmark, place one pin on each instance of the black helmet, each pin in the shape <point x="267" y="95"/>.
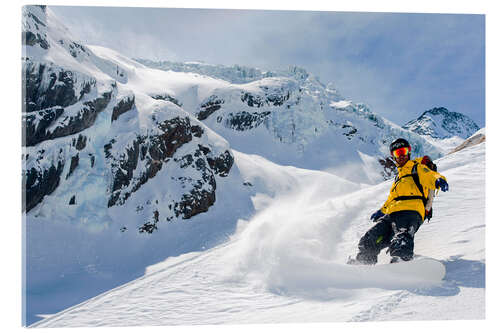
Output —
<point x="399" y="143"/>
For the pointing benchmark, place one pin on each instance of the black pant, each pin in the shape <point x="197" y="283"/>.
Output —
<point x="395" y="231"/>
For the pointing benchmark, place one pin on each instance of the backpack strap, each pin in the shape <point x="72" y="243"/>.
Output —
<point x="416" y="180"/>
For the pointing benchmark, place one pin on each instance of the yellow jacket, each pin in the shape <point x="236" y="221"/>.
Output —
<point x="404" y="188"/>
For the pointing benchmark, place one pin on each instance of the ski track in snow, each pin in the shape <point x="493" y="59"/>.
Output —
<point x="272" y="269"/>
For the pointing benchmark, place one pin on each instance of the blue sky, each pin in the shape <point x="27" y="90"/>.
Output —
<point x="398" y="64"/>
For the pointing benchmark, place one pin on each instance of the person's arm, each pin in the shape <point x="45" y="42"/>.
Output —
<point x="428" y="177"/>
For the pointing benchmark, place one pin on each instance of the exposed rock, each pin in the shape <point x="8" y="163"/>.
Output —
<point x="156" y="149"/>
<point x="212" y="104"/>
<point x="123" y="106"/>
<point x="83" y="120"/>
<point x="196" y="202"/>
<point x="35" y="125"/>
<point x="34" y="31"/>
<point x="242" y="121"/>
<point x="221" y="164"/>
<point x="107" y="148"/>
<point x="150" y="153"/>
<point x="150" y="226"/>
<point x="75" y="49"/>
<point x="167" y="97"/>
<point x="202" y="195"/>
<point x="197" y="131"/>
<point x="122" y="175"/>
<point x="72" y="201"/>
<point x="275" y="97"/>
<point x="31" y="39"/>
<point x="50" y="86"/>
<point x="81" y="142"/>
<point x="252" y="100"/>
<point x="37" y="183"/>
<point x="74" y="163"/>
<point x="204" y="150"/>
<point x="271" y="97"/>
<point x="350" y="132"/>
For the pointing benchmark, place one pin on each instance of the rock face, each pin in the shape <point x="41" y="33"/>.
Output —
<point x="35" y="26"/>
<point x="47" y="85"/>
<point x="439" y="123"/>
<point x="36" y="124"/>
<point x="153" y="151"/>
<point x="37" y="183"/>
<point x="212" y="104"/>
<point x="88" y="140"/>
<point x="243" y="121"/>
<point x="290" y="117"/>
<point x="123" y="106"/>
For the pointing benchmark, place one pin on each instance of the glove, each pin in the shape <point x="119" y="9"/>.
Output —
<point x="442" y="184"/>
<point x="375" y="216"/>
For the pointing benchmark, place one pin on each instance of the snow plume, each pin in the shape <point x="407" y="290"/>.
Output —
<point x="295" y="244"/>
<point x="298" y="223"/>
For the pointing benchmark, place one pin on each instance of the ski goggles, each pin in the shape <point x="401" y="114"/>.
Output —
<point x="401" y="152"/>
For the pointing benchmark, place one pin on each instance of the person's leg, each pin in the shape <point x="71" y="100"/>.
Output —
<point x="374" y="241"/>
<point x="405" y="224"/>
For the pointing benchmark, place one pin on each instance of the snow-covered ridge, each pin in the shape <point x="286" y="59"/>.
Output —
<point x="292" y="118"/>
<point x="235" y="74"/>
<point x="439" y="123"/>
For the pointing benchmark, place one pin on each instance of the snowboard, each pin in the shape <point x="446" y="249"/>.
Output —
<point x="420" y="268"/>
<point x="419" y="271"/>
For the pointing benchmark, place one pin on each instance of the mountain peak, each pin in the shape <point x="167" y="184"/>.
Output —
<point x="440" y="123"/>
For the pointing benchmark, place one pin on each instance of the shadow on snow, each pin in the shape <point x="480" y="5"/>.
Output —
<point x="459" y="273"/>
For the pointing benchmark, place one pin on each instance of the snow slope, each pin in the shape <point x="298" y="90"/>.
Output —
<point x="286" y="264"/>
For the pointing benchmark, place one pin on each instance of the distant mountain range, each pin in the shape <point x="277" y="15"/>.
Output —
<point x="439" y="123"/>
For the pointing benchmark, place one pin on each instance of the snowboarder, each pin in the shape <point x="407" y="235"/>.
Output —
<point x="404" y="211"/>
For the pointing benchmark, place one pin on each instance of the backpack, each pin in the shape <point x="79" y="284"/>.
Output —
<point x="426" y="160"/>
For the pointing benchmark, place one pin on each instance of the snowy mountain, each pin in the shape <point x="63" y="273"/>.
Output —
<point x="287" y="263"/>
<point x="439" y="123"/>
<point x="98" y="142"/>
<point x="125" y="164"/>
<point x="291" y="118"/>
